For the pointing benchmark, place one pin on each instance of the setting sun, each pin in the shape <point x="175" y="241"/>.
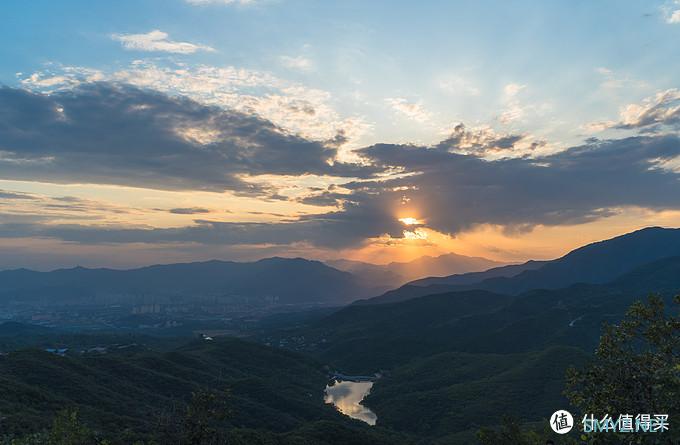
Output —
<point x="409" y="221"/>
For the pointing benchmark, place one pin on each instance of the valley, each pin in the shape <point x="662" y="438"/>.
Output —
<point x="434" y="364"/>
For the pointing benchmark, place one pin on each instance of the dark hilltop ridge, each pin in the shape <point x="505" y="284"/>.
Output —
<point x="594" y="263"/>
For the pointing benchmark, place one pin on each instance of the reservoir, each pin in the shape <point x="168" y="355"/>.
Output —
<point x="346" y="396"/>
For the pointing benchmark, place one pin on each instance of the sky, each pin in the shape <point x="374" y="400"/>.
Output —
<point x="156" y="131"/>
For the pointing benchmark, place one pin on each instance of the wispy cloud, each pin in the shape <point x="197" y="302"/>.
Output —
<point x="158" y="40"/>
<point x="299" y="63"/>
<point x="514" y="110"/>
<point x="598" y="126"/>
<point x="651" y="115"/>
<point x="486" y="143"/>
<point x="510" y="90"/>
<point x="612" y="80"/>
<point x="458" y="85"/>
<point x="671" y="12"/>
<point x="189" y="210"/>
<point x="19" y="207"/>
<point x="662" y="109"/>
<point x="5" y="194"/>
<point x="412" y="110"/>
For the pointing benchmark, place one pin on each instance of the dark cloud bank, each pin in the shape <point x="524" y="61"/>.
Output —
<point x="109" y="134"/>
<point x="117" y="134"/>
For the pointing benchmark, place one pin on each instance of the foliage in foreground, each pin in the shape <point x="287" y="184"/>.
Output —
<point x="203" y="424"/>
<point x="636" y="370"/>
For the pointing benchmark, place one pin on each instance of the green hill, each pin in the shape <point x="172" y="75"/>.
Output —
<point x="366" y="338"/>
<point x="458" y="361"/>
<point x="126" y="396"/>
<point x="458" y="392"/>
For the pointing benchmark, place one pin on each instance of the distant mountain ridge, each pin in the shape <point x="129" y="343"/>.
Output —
<point x="597" y="262"/>
<point x="290" y="280"/>
<point x="594" y="263"/>
<point x="462" y="279"/>
<point x="397" y="273"/>
<point x="362" y="338"/>
<point x="435" y="285"/>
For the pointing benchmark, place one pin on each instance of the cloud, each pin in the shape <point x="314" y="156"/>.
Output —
<point x="671" y="12"/>
<point x="157" y="40"/>
<point x="324" y="198"/>
<point x="5" y="194"/>
<point x="292" y="106"/>
<point x="103" y="133"/>
<point x="598" y="126"/>
<point x="25" y="208"/>
<point x="330" y="232"/>
<point x="662" y="109"/>
<point x="653" y="114"/>
<point x="512" y="89"/>
<point x="299" y="63"/>
<point x="453" y="192"/>
<point x="484" y="142"/>
<point x="412" y="110"/>
<point x="113" y="133"/>
<point x="458" y="85"/>
<point x="189" y="210"/>
<point x="612" y="80"/>
<point x="513" y="109"/>
<point x="446" y="189"/>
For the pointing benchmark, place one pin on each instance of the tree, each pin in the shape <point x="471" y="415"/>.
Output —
<point x="203" y="415"/>
<point x="510" y="433"/>
<point x="68" y="430"/>
<point x="636" y="370"/>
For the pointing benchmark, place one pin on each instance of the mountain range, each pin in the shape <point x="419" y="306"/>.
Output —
<point x="364" y="338"/>
<point x="301" y="281"/>
<point x="397" y="273"/>
<point x="594" y="263"/>
<point x="455" y="352"/>
<point x="287" y="280"/>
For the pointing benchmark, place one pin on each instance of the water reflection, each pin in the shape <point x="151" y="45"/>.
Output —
<point x="347" y="397"/>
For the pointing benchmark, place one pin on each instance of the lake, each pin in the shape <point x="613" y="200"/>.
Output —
<point x="346" y="396"/>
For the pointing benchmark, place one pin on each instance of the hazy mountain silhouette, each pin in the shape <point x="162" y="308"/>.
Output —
<point x="293" y="280"/>
<point x="397" y="273"/>
<point x="594" y="263"/>
<point x="463" y="279"/>
<point x="365" y="337"/>
<point x="373" y="276"/>
<point x="435" y="285"/>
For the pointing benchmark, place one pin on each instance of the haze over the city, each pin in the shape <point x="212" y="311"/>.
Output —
<point x="134" y="133"/>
